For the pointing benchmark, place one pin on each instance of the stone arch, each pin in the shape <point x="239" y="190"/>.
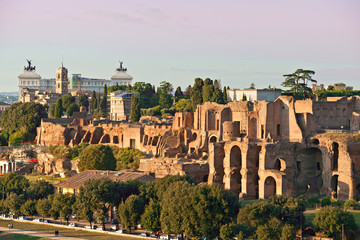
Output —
<point x="269" y="187"/>
<point x="145" y="140"/>
<point x="280" y="165"/>
<point x="116" y="139"/>
<point x="155" y="141"/>
<point x="71" y="135"/>
<point x="86" y="137"/>
<point x="235" y="157"/>
<point x="105" y="139"/>
<point x="235" y="167"/>
<point x="335" y="157"/>
<point x="194" y="136"/>
<point x="309" y="166"/>
<point x="334" y="183"/>
<point x="213" y="139"/>
<point x="315" y="141"/>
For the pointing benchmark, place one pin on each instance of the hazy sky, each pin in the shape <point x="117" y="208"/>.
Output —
<point x="238" y="41"/>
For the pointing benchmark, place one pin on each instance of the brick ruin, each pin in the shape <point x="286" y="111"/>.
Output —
<point x="255" y="149"/>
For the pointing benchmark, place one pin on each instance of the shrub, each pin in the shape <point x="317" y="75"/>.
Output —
<point x="326" y="201"/>
<point x="350" y="203"/>
<point x="312" y="201"/>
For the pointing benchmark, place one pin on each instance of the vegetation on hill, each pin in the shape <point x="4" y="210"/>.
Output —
<point x="97" y="157"/>
<point x="20" y="120"/>
<point x="323" y="94"/>
<point x="298" y="83"/>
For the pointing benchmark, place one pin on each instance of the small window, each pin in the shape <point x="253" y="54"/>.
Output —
<point x="278" y="130"/>
<point x="318" y="166"/>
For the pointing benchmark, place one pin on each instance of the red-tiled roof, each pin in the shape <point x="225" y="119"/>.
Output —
<point x="79" y="180"/>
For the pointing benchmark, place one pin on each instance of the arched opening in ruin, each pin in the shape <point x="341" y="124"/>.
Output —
<point x="71" y="134"/>
<point x="155" y="140"/>
<point x="235" y="157"/>
<point x="105" y="139"/>
<point x="205" y="178"/>
<point x="335" y="158"/>
<point x="270" y="187"/>
<point x="150" y="141"/>
<point x="253" y="129"/>
<point x="145" y="140"/>
<point x="213" y="139"/>
<point x="116" y="139"/>
<point x="315" y="141"/>
<point x="256" y="181"/>
<point x="86" y="137"/>
<point x="235" y="166"/>
<point x="309" y="164"/>
<point x="96" y="136"/>
<point x="280" y="164"/>
<point x="358" y="191"/>
<point x="334" y="186"/>
<point x="194" y="136"/>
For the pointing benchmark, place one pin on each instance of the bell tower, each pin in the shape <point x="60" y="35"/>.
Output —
<point x="62" y="81"/>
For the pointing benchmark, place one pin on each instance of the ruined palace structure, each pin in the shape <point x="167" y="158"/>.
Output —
<point x="255" y="149"/>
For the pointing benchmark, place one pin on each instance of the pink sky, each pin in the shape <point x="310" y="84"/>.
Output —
<point x="238" y="42"/>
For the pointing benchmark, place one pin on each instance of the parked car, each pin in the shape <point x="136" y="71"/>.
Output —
<point x="37" y="220"/>
<point x="115" y="227"/>
<point x="14" y="217"/>
<point x="164" y="237"/>
<point x="100" y="228"/>
<point x="144" y="234"/>
<point x="91" y="227"/>
<point x="22" y="218"/>
<point x="47" y="221"/>
<point x="4" y="215"/>
<point x="121" y="231"/>
<point x="73" y="225"/>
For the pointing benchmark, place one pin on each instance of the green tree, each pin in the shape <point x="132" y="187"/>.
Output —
<point x="58" y="108"/>
<point x="227" y="231"/>
<point x="196" y="93"/>
<point x="225" y="97"/>
<point x="71" y="109"/>
<point x="130" y="211"/>
<point x="207" y="90"/>
<point x="29" y="208"/>
<point x="178" y="93"/>
<point x="288" y="232"/>
<point x="52" y="111"/>
<point x="135" y="109"/>
<point x="22" y="115"/>
<point x="20" y="136"/>
<point x="84" y="101"/>
<point x="297" y="82"/>
<point x="187" y="92"/>
<point x="330" y="220"/>
<point x="63" y="204"/>
<point x="43" y="207"/>
<point x="14" y="183"/>
<point x="183" y="105"/>
<point x="14" y="202"/>
<point x="103" y="104"/>
<point x="252" y="86"/>
<point x="93" y="102"/>
<point x="3" y="140"/>
<point x="150" y="220"/>
<point x="269" y="231"/>
<point x="39" y="189"/>
<point x="4" y="209"/>
<point x="165" y="96"/>
<point x="97" y="157"/>
<point x="67" y="100"/>
<point x="244" y="98"/>
<point x="218" y="96"/>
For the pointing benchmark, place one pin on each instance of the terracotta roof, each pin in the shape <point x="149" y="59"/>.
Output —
<point x="79" y="180"/>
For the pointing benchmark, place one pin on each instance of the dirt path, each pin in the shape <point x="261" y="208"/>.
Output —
<point x="37" y="234"/>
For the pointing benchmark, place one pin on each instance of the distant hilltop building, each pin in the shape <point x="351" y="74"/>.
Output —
<point x="30" y="81"/>
<point x="315" y="87"/>
<point x="268" y="95"/>
<point x="342" y="86"/>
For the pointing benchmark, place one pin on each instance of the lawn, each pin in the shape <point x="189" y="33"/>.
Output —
<point x="12" y="236"/>
<point x="62" y="231"/>
<point x="50" y="179"/>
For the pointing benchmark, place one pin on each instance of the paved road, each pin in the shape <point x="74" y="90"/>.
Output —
<point x="37" y="234"/>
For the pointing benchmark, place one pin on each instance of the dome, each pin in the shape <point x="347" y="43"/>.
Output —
<point x="121" y="75"/>
<point x="29" y="74"/>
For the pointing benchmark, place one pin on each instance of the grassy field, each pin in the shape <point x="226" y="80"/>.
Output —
<point x="50" y="179"/>
<point x="62" y="231"/>
<point x="12" y="236"/>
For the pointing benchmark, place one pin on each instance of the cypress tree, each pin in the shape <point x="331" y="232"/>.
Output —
<point x="103" y="104"/>
<point x="135" y="109"/>
<point x="225" y="95"/>
<point x="208" y="90"/>
<point x="196" y="93"/>
<point x="93" y="102"/>
<point x="58" y="109"/>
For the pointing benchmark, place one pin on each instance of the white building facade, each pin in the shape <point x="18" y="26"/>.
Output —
<point x="120" y="105"/>
<point x="268" y="95"/>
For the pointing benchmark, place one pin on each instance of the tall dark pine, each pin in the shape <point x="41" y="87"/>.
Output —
<point x="58" y="109"/>
<point x="103" y="104"/>
<point x="135" y="109"/>
<point x="93" y="102"/>
<point x="225" y="95"/>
